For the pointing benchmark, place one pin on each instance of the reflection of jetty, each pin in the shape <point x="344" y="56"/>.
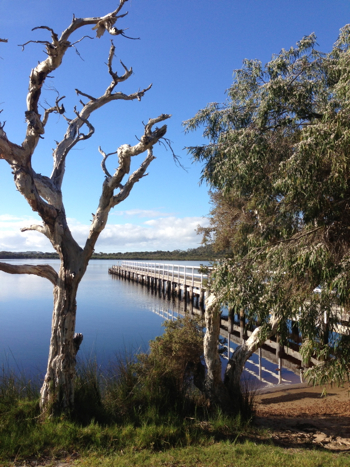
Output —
<point x="188" y="285"/>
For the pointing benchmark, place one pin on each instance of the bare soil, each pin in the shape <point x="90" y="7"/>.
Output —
<point x="301" y="415"/>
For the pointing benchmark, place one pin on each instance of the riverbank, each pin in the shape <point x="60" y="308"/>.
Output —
<point x="202" y="253"/>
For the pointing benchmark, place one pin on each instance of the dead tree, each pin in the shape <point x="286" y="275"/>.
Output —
<point x="43" y="193"/>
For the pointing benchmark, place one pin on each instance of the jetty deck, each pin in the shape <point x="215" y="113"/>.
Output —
<point x="184" y="282"/>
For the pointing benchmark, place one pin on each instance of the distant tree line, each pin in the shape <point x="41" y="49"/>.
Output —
<point x="202" y="253"/>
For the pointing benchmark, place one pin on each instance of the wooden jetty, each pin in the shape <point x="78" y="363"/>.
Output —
<point x="188" y="285"/>
<point x="183" y="282"/>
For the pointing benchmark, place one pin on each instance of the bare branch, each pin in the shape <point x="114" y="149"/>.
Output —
<point x="116" y="79"/>
<point x="134" y="178"/>
<point x="82" y="136"/>
<point x="103" y="163"/>
<point x="42" y="270"/>
<point x="58" y="109"/>
<point x="103" y="23"/>
<point x="121" y="32"/>
<point x="85" y="95"/>
<point x="121" y="4"/>
<point x="2" y="132"/>
<point x="34" y="42"/>
<point x="56" y="51"/>
<point x="148" y="139"/>
<point x="84" y="37"/>
<point x="38" y="228"/>
<point x="140" y="94"/>
<point x="167" y="143"/>
<point x="53" y="34"/>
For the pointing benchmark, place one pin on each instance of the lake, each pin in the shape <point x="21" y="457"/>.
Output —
<point x="114" y="315"/>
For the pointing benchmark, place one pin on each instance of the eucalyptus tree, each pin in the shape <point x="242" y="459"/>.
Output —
<point x="278" y="163"/>
<point x="44" y="194"/>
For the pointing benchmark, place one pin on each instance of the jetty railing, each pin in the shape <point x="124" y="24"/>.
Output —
<point x="174" y="272"/>
<point x="182" y="281"/>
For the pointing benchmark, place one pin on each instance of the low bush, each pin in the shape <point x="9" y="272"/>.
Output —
<point x="161" y="381"/>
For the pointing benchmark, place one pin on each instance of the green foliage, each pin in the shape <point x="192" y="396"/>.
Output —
<point x="161" y="381"/>
<point x="278" y="162"/>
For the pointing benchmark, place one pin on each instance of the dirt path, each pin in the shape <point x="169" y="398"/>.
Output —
<point x="307" y="416"/>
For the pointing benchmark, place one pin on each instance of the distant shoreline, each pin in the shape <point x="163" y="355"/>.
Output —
<point x="202" y="253"/>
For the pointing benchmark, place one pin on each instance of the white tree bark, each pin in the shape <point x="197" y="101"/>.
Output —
<point x="43" y="270"/>
<point x="45" y="197"/>
<point x="227" y="393"/>
<point x="214" y="387"/>
<point x="243" y="352"/>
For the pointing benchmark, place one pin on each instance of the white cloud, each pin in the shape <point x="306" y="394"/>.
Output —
<point x="141" y="213"/>
<point x="164" y="233"/>
<point x="9" y="218"/>
<point x="11" y="238"/>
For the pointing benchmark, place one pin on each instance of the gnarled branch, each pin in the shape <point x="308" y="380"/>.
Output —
<point x="82" y="136"/>
<point x="116" y="79"/>
<point x="38" y="228"/>
<point x="85" y="95"/>
<point x="106" y="22"/>
<point x="125" y="152"/>
<point x="57" y="108"/>
<point x="104" y="158"/>
<point x="134" y="178"/>
<point x="42" y="270"/>
<point x="55" y="51"/>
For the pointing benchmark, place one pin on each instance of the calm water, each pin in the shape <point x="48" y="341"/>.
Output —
<point x="113" y="315"/>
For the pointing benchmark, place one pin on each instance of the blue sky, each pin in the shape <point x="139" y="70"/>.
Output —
<point x="188" y="50"/>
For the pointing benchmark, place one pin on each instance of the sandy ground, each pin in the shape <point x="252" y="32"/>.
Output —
<point x="302" y="415"/>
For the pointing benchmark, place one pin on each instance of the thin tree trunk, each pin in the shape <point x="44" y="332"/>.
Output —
<point x="57" y="392"/>
<point x="214" y="387"/>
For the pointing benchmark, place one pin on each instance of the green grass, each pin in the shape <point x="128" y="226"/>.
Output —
<point x="156" y="439"/>
<point x="223" y="454"/>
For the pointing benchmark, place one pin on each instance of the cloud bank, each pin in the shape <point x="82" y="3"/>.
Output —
<point x="161" y="233"/>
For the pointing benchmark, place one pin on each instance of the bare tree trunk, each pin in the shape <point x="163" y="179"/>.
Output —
<point x="227" y="393"/>
<point x="57" y="392"/>
<point x="214" y="387"/>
